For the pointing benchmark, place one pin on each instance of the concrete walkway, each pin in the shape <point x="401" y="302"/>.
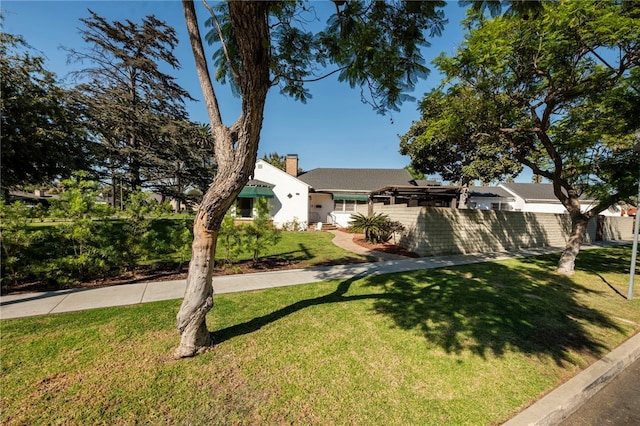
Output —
<point x="53" y="302"/>
<point x="345" y="240"/>
<point x="550" y="410"/>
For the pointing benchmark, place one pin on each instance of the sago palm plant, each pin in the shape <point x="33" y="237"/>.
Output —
<point x="373" y="226"/>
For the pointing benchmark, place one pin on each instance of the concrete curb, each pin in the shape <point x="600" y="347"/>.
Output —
<point x="567" y="398"/>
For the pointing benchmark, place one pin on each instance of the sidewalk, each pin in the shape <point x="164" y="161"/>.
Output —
<point x="53" y="302"/>
<point x="549" y="410"/>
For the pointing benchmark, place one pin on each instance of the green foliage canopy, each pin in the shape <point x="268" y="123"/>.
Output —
<point x="372" y="45"/>
<point x="556" y="93"/>
<point x="42" y="135"/>
<point x="136" y="111"/>
<point x="276" y="160"/>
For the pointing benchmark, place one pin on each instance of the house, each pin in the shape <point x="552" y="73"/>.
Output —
<point x="525" y="197"/>
<point x="337" y="193"/>
<point x="287" y="196"/>
<point x="32" y="198"/>
<point x="423" y="193"/>
<point x="490" y="198"/>
<point x="332" y="195"/>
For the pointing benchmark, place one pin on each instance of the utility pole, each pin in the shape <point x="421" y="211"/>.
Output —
<point x="634" y="250"/>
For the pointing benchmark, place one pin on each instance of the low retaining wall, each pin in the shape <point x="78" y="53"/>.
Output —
<point x="435" y="231"/>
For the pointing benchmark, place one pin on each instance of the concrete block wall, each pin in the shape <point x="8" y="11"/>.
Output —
<point x="616" y="228"/>
<point x="435" y="231"/>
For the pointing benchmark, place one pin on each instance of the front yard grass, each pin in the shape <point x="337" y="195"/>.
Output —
<point x="468" y="345"/>
<point x="305" y="249"/>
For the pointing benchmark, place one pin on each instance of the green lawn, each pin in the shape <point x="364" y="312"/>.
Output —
<point x="303" y="248"/>
<point x="306" y="249"/>
<point x="469" y="345"/>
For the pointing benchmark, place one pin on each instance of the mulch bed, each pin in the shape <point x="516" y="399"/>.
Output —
<point x="384" y="247"/>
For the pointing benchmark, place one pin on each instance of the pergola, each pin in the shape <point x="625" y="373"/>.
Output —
<point x="413" y="196"/>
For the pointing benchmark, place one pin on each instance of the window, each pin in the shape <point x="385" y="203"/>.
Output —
<point x="244" y="207"/>
<point x="346" y="206"/>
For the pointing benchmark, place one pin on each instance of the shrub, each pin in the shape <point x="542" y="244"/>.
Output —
<point x="294" y="225"/>
<point x="231" y="238"/>
<point x="377" y="228"/>
<point x="139" y="237"/>
<point x="372" y="226"/>
<point x="390" y="229"/>
<point x="181" y="237"/>
<point x="261" y="233"/>
<point x="17" y="242"/>
<point x="85" y="247"/>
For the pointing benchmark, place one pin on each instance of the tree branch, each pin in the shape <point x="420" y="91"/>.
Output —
<point x="234" y="72"/>
<point x="322" y="77"/>
<point x="208" y="91"/>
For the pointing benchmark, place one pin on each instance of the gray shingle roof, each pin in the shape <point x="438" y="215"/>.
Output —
<point x="489" y="191"/>
<point x="256" y="182"/>
<point x="536" y="192"/>
<point x="428" y="182"/>
<point x="326" y="179"/>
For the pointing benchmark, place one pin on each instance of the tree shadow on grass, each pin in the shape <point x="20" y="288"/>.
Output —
<point x="304" y="254"/>
<point x="255" y="324"/>
<point x="484" y="309"/>
<point x="600" y="261"/>
<point x="594" y="261"/>
<point x="491" y="310"/>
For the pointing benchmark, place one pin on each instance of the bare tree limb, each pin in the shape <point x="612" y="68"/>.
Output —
<point x="224" y="45"/>
<point x="202" y="68"/>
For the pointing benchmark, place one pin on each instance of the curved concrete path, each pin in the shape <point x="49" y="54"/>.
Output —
<point x="345" y="241"/>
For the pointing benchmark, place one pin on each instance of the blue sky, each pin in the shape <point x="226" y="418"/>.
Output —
<point x="333" y="129"/>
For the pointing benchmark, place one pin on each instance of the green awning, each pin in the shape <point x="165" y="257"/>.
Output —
<point x="256" y="192"/>
<point x="351" y="197"/>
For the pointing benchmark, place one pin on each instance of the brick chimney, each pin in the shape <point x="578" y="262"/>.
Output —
<point x="291" y="164"/>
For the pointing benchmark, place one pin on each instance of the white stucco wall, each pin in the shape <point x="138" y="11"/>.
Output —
<point x="342" y="219"/>
<point x="291" y="200"/>
<point x="320" y="207"/>
<point x="520" y="205"/>
<point x="557" y="208"/>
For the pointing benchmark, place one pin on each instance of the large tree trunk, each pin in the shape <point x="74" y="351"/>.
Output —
<point x="198" y="297"/>
<point x="235" y="151"/>
<point x="464" y="197"/>
<point x="567" y="261"/>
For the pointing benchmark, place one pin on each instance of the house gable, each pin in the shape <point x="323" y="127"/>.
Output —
<point x="291" y="196"/>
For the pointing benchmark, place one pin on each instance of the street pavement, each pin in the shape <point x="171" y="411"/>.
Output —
<point x="550" y="410"/>
<point x="575" y="397"/>
<point x="617" y="404"/>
